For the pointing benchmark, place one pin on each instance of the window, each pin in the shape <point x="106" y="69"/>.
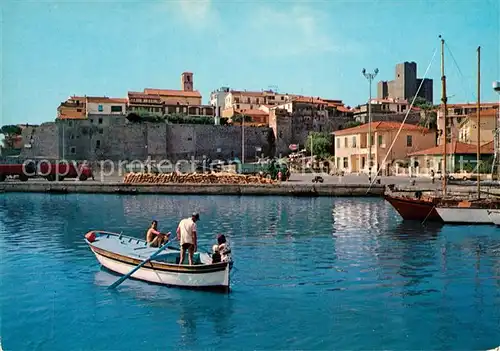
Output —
<point x="346" y="162"/>
<point x="70" y="123"/>
<point x="99" y="108"/>
<point x="248" y="100"/>
<point x="363" y="162"/>
<point x="190" y="139"/>
<point x="91" y="120"/>
<point x="100" y="120"/>
<point x="251" y="107"/>
<point x="353" y="141"/>
<point x="238" y="106"/>
<point x="282" y="98"/>
<point x="409" y="141"/>
<point x="72" y="136"/>
<point x="116" y="109"/>
<point x="72" y="150"/>
<point x="345" y="142"/>
<point x="338" y="162"/>
<point x="338" y="145"/>
<point x="258" y="100"/>
<point x="380" y="140"/>
<point x="100" y="131"/>
<point x="97" y="144"/>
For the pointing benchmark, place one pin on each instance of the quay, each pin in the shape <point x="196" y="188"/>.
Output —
<point x="283" y="189"/>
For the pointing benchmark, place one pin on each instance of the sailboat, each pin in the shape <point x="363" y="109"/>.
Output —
<point x="476" y="211"/>
<point x="420" y="207"/>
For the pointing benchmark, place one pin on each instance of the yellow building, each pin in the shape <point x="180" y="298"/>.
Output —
<point x="73" y="108"/>
<point x="352" y="146"/>
<point x="79" y="107"/>
<point x="456" y="115"/>
<point x="467" y="129"/>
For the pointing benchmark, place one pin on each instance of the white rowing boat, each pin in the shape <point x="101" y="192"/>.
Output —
<point x="121" y="254"/>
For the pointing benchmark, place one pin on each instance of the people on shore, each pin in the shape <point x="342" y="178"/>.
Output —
<point x="154" y="238"/>
<point x="187" y="235"/>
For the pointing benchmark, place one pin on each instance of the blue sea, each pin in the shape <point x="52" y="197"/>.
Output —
<point x="309" y="273"/>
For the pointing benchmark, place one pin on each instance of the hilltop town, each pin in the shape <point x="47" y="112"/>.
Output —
<point x="175" y="124"/>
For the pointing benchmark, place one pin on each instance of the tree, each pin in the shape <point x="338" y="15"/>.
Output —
<point x="422" y="103"/>
<point x="10" y="132"/>
<point x="321" y="144"/>
<point x="352" y="124"/>
<point x="238" y="118"/>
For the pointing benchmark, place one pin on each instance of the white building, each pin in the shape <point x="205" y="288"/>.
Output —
<point x="105" y="106"/>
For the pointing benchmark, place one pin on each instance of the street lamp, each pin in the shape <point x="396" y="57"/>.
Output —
<point x="370" y="77"/>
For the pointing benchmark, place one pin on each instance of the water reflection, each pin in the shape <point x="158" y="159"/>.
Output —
<point x="193" y="308"/>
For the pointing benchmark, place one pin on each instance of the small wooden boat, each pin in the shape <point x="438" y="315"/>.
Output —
<point x="121" y="254"/>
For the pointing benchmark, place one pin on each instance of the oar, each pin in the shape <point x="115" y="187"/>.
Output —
<point x="126" y="276"/>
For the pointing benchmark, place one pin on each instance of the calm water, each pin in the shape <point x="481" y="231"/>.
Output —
<point x="310" y="274"/>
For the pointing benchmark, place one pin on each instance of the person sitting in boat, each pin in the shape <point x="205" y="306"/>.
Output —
<point x="154" y="238"/>
<point x="224" y="249"/>
<point x="215" y="254"/>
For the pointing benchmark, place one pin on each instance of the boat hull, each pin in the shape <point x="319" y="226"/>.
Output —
<point x="457" y="215"/>
<point x="414" y="209"/>
<point x="205" y="276"/>
<point x="495" y="216"/>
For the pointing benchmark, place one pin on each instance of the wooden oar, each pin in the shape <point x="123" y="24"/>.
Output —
<point x="126" y="276"/>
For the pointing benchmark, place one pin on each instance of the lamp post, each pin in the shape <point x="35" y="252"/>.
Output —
<point x="370" y="77"/>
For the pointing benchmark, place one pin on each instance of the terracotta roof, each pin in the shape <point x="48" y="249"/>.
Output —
<point x="169" y="92"/>
<point x="378" y="126"/>
<point x="343" y="109"/>
<point x="472" y="105"/>
<point x="251" y="112"/>
<point x="333" y="101"/>
<point x="455" y="147"/>
<point x="106" y="99"/>
<point x="311" y="100"/>
<point x="142" y="95"/>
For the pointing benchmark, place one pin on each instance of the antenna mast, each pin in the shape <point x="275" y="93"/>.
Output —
<point x="444" y="100"/>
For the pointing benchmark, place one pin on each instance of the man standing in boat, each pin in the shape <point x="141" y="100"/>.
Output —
<point x="186" y="234"/>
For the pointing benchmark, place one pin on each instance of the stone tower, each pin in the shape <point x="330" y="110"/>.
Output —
<point x="187" y="81"/>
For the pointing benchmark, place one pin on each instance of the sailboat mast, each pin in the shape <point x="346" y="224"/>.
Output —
<point x="444" y="100"/>
<point x="478" y="121"/>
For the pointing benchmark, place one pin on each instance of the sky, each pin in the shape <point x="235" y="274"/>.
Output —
<point x="53" y="49"/>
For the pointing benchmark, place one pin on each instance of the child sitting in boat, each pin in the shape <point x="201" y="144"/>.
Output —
<point x="224" y="249"/>
<point x="215" y="254"/>
<point x="221" y="251"/>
